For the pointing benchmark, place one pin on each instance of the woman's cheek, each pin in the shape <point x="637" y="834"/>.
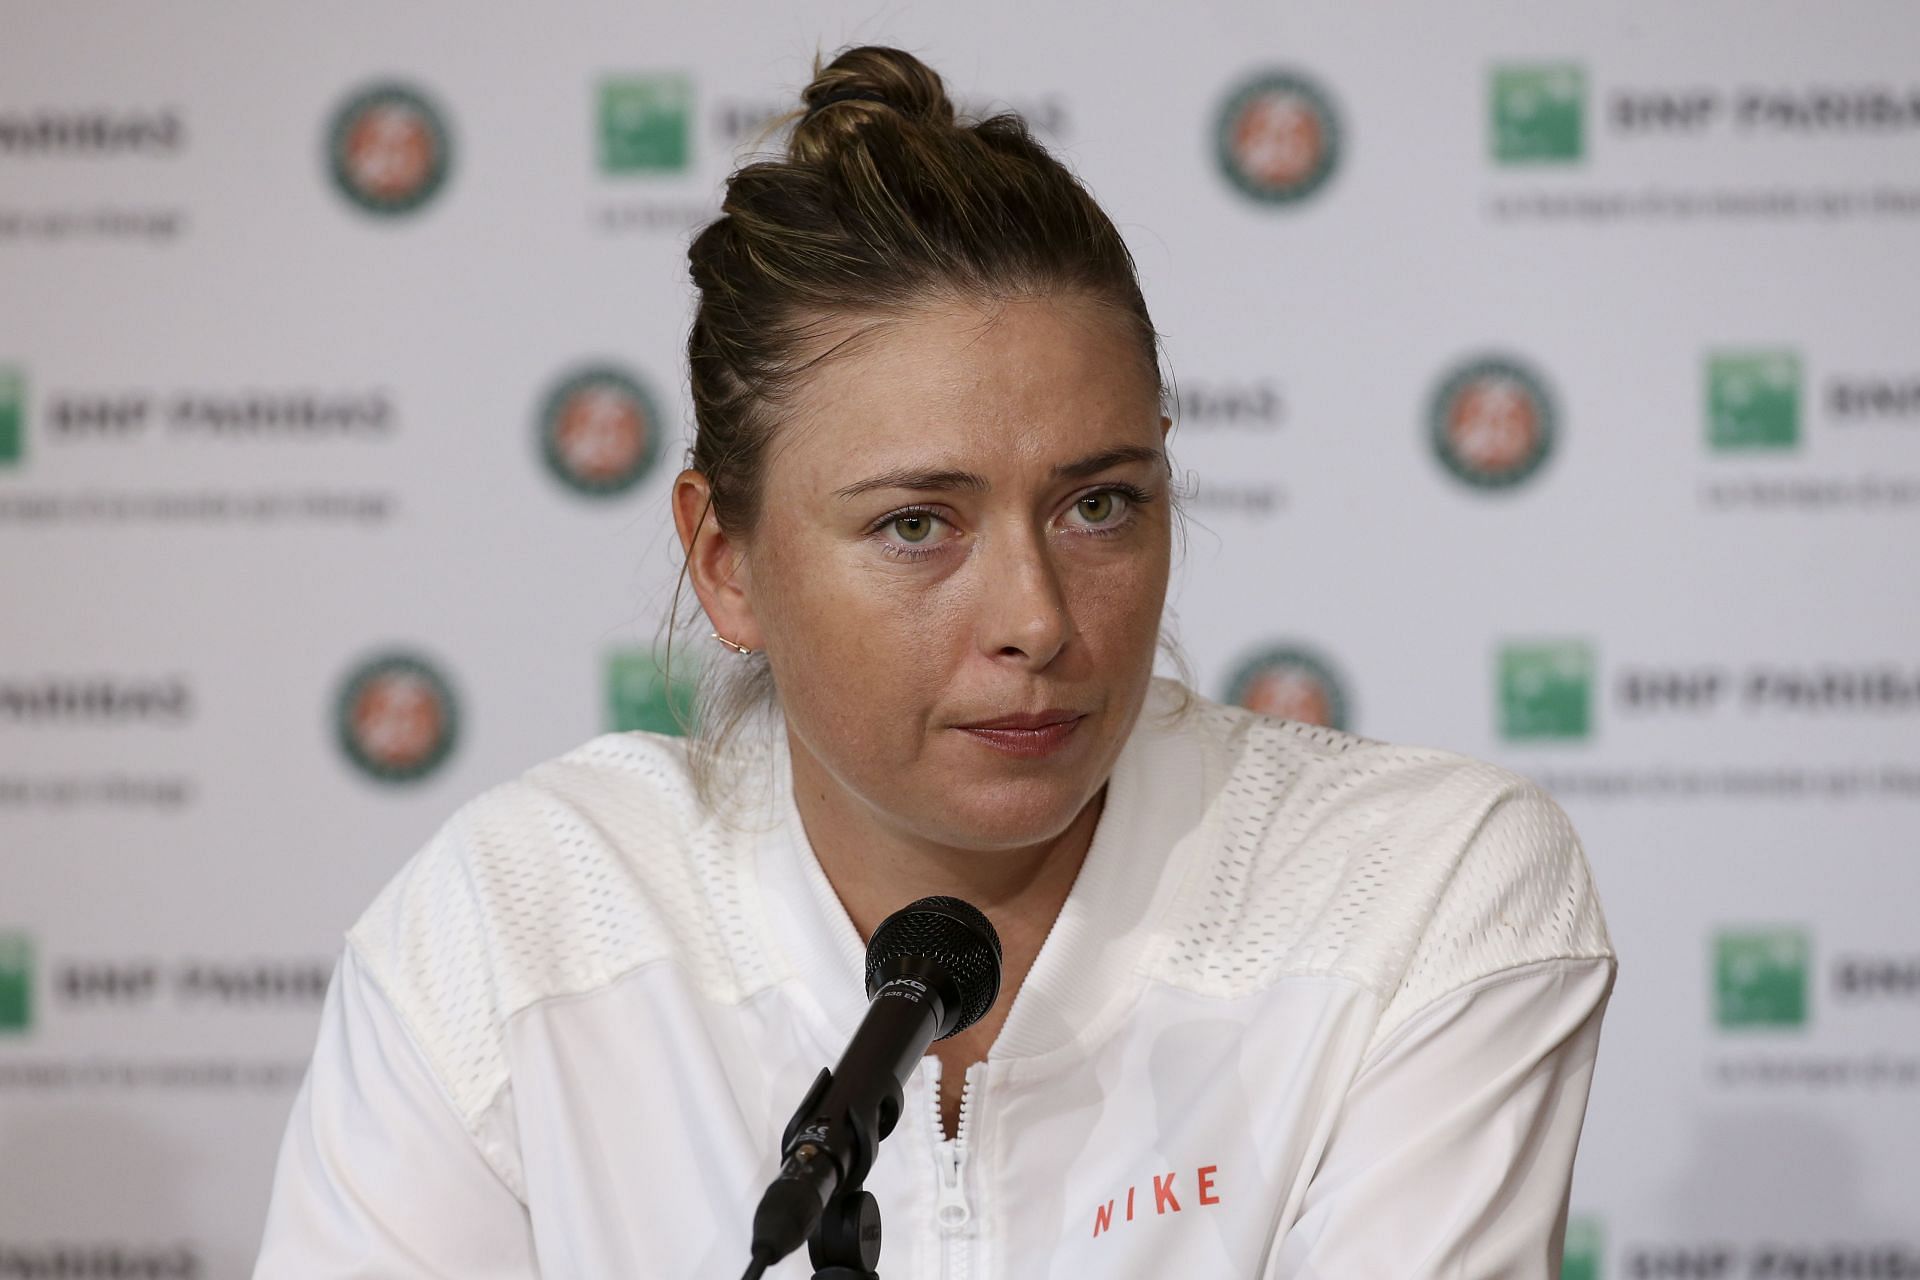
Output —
<point x="1118" y="594"/>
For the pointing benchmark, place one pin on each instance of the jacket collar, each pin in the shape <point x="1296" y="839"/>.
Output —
<point x="1086" y="970"/>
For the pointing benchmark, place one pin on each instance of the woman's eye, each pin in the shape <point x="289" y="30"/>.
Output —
<point x="1098" y="508"/>
<point x="913" y="528"/>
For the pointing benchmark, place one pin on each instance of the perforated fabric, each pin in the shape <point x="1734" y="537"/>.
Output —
<point x="581" y="870"/>
<point x="1409" y="872"/>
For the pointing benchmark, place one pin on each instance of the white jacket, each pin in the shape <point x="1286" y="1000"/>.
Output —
<point x="1317" y="1006"/>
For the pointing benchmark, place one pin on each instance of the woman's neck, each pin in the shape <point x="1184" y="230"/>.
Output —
<point x="876" y="869"/>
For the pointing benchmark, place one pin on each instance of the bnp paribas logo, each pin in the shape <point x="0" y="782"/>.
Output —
<point x="16" y="983"/>
<point x="1277" y="137"/>
<point x="13" y="416"/>
<point x="1491" y="422"/>
<point x="1760" y="977"/>
<point x="1753" y="399"/>
<point x="1585" y="1254"/>
<point x="388" y="149"/>
<point x="1293" y="682"/>
<point x="1538" y="113"/>
<point x="599" y="430"/>
<point x="1546" y="690"/>
<point x="641" y="696"/>
<point x="646" y="123"/>
<point x="396" y="717"/>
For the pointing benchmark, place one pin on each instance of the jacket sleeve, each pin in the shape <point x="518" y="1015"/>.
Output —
<point x="1452" y="1157"/>
<point x="377" y="1176"/>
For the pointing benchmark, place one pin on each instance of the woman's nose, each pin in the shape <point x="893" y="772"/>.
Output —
<point x="1023" y="611"/>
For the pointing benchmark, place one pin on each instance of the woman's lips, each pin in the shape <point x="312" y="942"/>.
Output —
<point x="1040" y="740"/>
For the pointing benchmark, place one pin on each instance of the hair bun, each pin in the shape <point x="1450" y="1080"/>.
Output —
<point x="865" y="95"/>
<point x="884" y="76"/>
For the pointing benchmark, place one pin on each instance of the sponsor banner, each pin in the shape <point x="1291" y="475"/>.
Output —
<point x="50" y="1000"/>
<point x="67" y="445"/>
<point x="100" y="1259"/>
<point x="1551" y="690"/>
<point x="1788" y="426"/>
<point x="1795" y="1019"/>
<point x="46" y="148"/>
<point x="1768" y="1257"/>
<point x="1537" y="397"/>
<point x="95" y="701"/>
<point x="1575" y="142"/>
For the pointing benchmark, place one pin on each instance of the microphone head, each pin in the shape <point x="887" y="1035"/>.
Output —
<point x="952" y="933"/>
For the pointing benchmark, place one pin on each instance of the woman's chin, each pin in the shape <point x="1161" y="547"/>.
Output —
<point x="1016" y="817"/>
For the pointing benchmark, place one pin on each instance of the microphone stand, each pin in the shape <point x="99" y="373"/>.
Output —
<point x="845" y="1243"/>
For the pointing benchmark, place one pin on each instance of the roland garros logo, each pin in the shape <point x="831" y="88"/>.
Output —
<point x="396" y="717"/>
<point x="1492" y="422"/>
<point x="388" y="149"/>
<point x="1292" y="683"/>
<point x="599" y="431"/>
<point x="1277" y="138"/>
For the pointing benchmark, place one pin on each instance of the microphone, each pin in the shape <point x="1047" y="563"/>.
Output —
<point x="933" y="969"/>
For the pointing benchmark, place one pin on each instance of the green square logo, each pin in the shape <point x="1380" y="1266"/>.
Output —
<point x="645" y="123"/>
<point x="1538" y="113"/>
<point x="1753" y="399"/>
<point x="1586" y="1245"/>
<point x="1546" y="690"/>
<point x="638" y="696"/>
<point x="1760" y="977"/>
<point x="16" y="983"/>
<point x="13" y="416"/>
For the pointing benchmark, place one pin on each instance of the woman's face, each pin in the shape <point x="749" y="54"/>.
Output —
<point x="965" y="520"/>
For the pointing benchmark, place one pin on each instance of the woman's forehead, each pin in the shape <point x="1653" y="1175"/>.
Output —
<point x="1041" y="381"/>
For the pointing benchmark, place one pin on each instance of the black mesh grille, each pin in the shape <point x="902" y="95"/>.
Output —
<point x="955" y="934"/>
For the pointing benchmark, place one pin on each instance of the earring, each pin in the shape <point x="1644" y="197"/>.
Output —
<point x="740" y="649"/>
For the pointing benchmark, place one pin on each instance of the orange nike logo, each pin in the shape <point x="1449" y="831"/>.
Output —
<point x="1165" y="1198"/>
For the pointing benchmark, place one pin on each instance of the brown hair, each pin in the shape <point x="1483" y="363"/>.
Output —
<point x="886" y="200"/>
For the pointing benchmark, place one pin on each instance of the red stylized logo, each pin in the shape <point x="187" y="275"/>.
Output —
<point x="1166" y="1198"/>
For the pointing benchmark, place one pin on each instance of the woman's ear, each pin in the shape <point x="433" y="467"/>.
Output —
<point x="716" y="563"/>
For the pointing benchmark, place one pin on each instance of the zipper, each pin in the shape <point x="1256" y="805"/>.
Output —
<point x="952" y="1211"/>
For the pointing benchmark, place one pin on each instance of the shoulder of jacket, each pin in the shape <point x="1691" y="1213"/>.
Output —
<point x="582" y="869"/>
<point x="1411" y="871"/>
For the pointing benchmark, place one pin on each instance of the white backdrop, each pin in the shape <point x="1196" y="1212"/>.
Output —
<point x="1550" y="392"/>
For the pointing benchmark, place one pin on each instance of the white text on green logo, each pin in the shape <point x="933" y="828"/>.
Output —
<point x="13" y="416"/>
<point x="1753" y="399"/>
<point x="644" y="124"/>
<point x="1537" y="113"/>
<point x="1586" y="1244"/>
<point x="16" y="983"/>
<point x="639" y="695"/>
<point x="1546" y="690"/>
<point x="1760" y="978"/>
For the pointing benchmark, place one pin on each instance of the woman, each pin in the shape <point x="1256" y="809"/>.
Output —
<point x="1276" y="1000"/>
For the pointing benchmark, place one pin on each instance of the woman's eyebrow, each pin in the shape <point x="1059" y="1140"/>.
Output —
<point x="947" y="479"/>
<point x="1098" y="462"/>
<point x="911" y="478"/>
